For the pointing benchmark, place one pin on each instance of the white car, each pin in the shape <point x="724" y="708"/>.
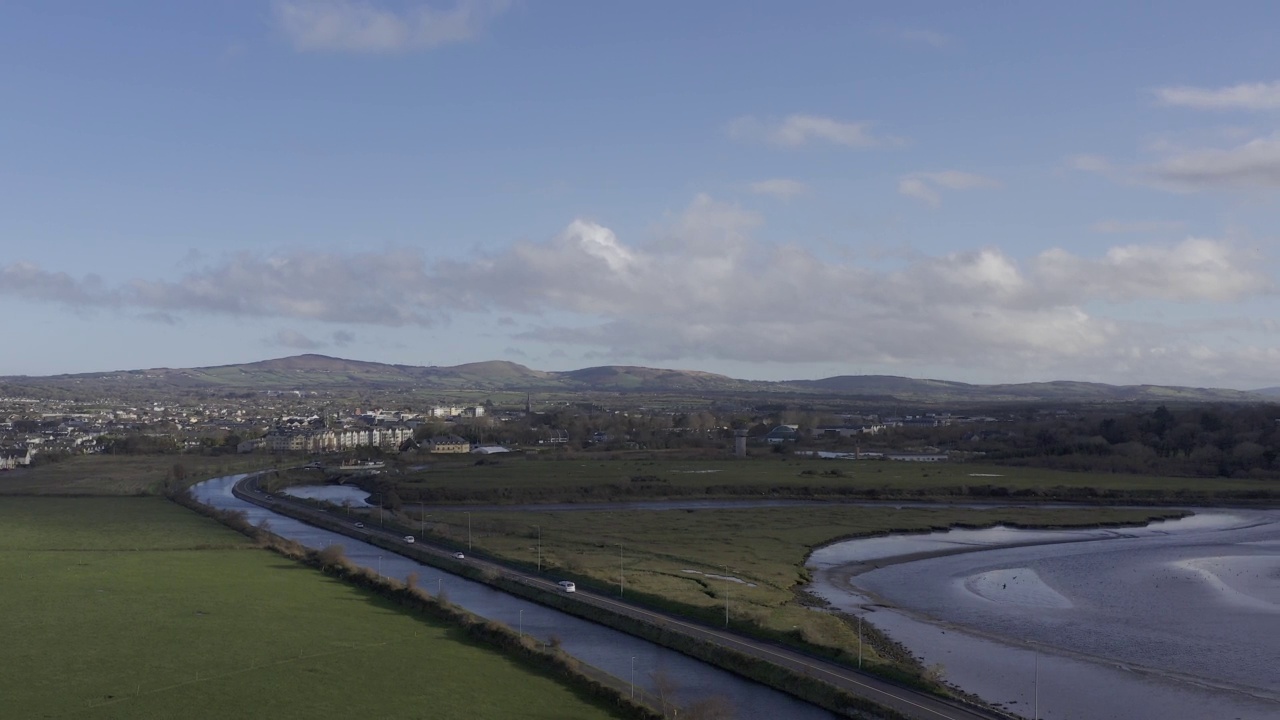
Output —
<point x="568" y="586"/>
<point x="408" y="538"/>
<point x="459" y="555"/>
<point x="359" y="525"/>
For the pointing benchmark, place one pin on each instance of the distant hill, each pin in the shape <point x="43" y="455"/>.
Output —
<point x="324" y="373"/>
<point x="1061" y="391"/>
<point x="624" y="377"/>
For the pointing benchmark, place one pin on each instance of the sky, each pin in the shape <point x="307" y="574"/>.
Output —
<point x="991" y="192"/>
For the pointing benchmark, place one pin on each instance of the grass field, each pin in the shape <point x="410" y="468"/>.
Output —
<point x="137" y="608"/>
<point x="765" y="547"/>
<point x="119" y="474"/>
<point x="517" y="479"/>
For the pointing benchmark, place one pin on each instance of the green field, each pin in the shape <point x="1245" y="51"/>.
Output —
<point x="137" y="608"/>
<point x="513" y="478"/>
<point x="763" y="546"/>
<point x="120" y="474"/>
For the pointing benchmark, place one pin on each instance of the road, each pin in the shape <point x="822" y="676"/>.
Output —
<point x="907" y="701"/>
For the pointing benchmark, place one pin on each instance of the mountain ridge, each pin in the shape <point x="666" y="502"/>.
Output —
<point x="315" y="371"/>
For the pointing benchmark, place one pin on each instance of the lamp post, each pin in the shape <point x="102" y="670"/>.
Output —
<point x="522" y="622"/>
<point x="859" y="642"/>
<point x="1036" y="715"/>
<point x="379" y="566"/>
<point x="422" y="516"/>
<point x="468" y="532"/>
<point x="539" y="547"/>
<point x="633" y="676"/>
<point x="726" y="596"/>
<point x="622" y="580"/>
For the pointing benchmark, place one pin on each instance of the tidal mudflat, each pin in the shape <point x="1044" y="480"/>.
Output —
<point x="1177" y="619"/>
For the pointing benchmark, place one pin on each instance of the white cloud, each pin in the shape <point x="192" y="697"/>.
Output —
<point x="702" y="287"/>
<point x="1254" y="164"/>
<point x="919" y="36"/>
<point x="358" y="26"/>
<point x="1195" y="270"/>
<point x="924" y="185"/>
<point x="1244" y="96"/>
<point x="918" y="189"/>
<point x="293" y="339"/>
<point x="800" y="130"/>
<point x="1089" y="163"/>
<point x="1136" y="227"/>
<point x="782" y="188"/>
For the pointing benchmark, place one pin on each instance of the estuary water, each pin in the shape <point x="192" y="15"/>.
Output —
<point x="1180" y="619"/>
<point x="623" y="656"/>
<point x="336" y="494"/>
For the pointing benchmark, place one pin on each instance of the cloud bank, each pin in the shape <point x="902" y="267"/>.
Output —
<point x="703" y="288"/>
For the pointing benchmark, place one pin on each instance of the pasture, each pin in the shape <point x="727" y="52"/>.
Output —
<point x="588" y="477"/>
<point x="120" y="474"/>
<point x="137" y="608"/>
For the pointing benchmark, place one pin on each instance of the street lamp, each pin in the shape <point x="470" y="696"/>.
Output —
<point x="522" y="622"/>
<point x="468" y="514"/>
<point x="622" y="580"/>
<point x="379" y="566"/>
<point x="539" y="547"/>
<point x="726" y="596"/>
<point x="1036" y="716"/>
<point x="859" y="642"/>
<point x="633" y="677"/>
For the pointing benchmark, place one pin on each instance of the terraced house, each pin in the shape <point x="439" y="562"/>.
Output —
<point x="448" y="444"/>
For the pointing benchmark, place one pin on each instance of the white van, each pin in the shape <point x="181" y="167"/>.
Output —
<point x="408" y="538"/>
<point x="568" y="586"/>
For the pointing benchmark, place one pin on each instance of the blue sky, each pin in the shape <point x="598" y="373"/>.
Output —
<point x="1001" y="192"/>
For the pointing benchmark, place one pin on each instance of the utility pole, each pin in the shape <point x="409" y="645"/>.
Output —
<point x="622" y="580"/>
<point x="468" y="532"/>
<point x="539" y="547"/>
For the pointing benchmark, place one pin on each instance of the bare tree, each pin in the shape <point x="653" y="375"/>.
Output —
<point x="666" y="687"/>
